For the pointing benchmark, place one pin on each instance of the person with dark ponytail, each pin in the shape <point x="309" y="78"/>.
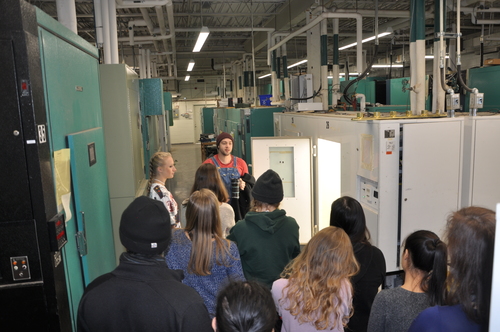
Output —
<point x="470" y="234"/>
<point x="245" y="306"/>
<point x="424" y="262"/>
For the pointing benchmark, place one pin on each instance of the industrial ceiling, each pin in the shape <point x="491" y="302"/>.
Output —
<point x="240" y="27"/>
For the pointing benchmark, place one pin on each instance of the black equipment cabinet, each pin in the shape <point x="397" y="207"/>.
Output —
<point x="33" y="293"/>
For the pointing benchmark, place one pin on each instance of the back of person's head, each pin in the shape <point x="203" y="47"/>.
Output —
<point x="207" y="176"/>
<point x="203" y="225"/>
<point x="145" y="227"/>
<point x="348" y="214"/>
<point x="245" y="306"/>
<point x="471" y="239"/>
<point x="427" y="253"/>
<point x="268" y="188"/>
<point x="324" y="265"/>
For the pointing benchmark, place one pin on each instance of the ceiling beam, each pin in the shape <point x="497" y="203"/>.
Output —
<point x="281" y="21"/>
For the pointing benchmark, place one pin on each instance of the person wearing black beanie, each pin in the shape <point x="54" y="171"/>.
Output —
<point x="267" y="238"/>
<point x="142" y="293"/>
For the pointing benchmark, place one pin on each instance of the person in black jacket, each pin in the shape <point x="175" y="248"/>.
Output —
<point x="142" y="293"/>
<point x="348" y="214"/>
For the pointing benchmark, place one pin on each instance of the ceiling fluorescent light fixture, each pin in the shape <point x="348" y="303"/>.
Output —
<point x="201" y="39"/>
<point x="387" y="66"/>
<point x="190" y="65"/>
<point x="297" y="63"/>
<point x="187" y="78"/>
<point x="350" y="74"/>
<point x="380" y="35"/>
<point x="264" y="76"/>
<point x="432" y="57"/>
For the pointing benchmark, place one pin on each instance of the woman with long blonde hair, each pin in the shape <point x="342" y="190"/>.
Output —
<point x="162" y="168"/>
<point x="208" y="260"/>
<point x="315" y="292"/>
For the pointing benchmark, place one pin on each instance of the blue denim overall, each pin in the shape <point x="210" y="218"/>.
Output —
<point x="227" y="174"/>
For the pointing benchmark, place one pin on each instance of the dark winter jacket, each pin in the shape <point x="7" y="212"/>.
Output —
<point x="142" y="294"/>
<point x="267" y="242"/>
<point x="371" y="275"/>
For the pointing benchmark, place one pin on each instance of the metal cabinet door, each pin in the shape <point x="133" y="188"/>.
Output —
<point x="291" y="159"/>
<point x="93" y="214"/>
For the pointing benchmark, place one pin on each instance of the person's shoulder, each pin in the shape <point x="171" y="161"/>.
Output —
<point x="290" y="220"/>
<point x="209" y="160"/>
<point x="240" y="161"/>
<point x="378" y="254"/>
<point x="100" y="281"/>
<point x="280" y="283"/>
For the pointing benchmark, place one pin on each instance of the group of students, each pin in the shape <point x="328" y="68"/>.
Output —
<point x="252" y="275"/>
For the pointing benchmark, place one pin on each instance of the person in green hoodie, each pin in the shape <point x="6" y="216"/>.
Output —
<point x="267" y="238"/>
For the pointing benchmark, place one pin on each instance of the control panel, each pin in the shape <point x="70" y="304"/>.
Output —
<point x="57" y="232"/>
<point x="368" y="193"/>
<point x="20" y="268"/>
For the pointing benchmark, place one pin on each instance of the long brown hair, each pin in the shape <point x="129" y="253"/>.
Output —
<point x="207" y="176"/>
<point x="471" y="241"/>
<point x="203" y="225"/>
<point x="316" y="277"/>
<point x="157" y="160"/>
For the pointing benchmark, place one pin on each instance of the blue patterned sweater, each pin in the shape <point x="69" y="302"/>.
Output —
<point x="208" y="287"/>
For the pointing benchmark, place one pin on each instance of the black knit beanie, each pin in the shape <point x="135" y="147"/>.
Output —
<point x="145" y="227"/>
<point x="268" y="188"/>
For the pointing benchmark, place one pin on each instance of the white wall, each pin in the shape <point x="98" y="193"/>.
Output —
<point x="183" y="130"/>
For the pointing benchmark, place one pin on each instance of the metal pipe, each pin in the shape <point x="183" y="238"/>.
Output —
<point x="66" y="14"/>
<point x="106" y="43"/>
<point x="148" y="63"/>
<point x="113" y="33"/>
<point x="98" y="22"/>
<point x="359" y="33"/>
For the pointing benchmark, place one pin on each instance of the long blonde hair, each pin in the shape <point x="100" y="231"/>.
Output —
<point x="316" y="277"/>
<point x="157" y="160"/>
<point x="203" y="225"/>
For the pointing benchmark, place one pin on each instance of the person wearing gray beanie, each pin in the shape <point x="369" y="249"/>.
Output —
<point x="142" y="283"/>
<point x="267" y="238"/>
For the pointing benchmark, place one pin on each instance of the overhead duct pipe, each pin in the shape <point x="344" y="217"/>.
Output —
<point x="106" y="45"/>
<point x="113" y="33"/>
<point x="98" y="23"/>
<point x="66" y="14"/>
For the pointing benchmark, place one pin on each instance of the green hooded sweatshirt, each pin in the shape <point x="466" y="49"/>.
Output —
<point x="267" y="242"/>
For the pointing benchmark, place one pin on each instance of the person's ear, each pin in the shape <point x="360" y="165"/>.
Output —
<point x="214" y="324"/>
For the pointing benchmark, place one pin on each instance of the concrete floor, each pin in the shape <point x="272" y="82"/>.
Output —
<point x="187" y="159"/>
